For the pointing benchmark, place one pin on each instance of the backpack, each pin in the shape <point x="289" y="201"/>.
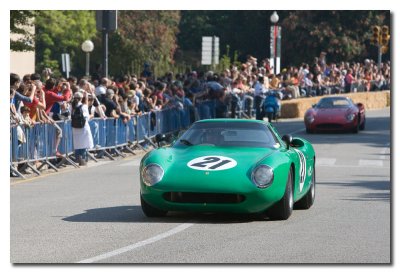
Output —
<point x="77" y="118"/>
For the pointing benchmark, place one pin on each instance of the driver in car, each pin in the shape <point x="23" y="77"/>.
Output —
<point x="213" y="137"/>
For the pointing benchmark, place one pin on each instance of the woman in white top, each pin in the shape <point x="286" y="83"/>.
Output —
<point x="82" y="137"/>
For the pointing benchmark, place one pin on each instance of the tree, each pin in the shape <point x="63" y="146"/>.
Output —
<point x="344" y="35"/>
<point x="60" y="32"/>
<point x="21" y="23"/>
<point x="143" y="36"/>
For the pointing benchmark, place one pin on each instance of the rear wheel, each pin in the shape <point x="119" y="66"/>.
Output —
<point x="283" y="209"/>
<point x="150" y="211"/>
<point x="308" y="200"/>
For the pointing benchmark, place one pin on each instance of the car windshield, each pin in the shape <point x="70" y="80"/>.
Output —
<point x="334" y="103"/>
<point x="229" y="134"/>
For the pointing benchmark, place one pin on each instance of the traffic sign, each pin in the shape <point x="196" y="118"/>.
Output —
<point x="65" y="61"/>
<point x="210" y="50"/>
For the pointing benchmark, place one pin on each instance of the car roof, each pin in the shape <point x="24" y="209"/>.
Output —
<point x="336" y="97"/>
<point x="227" y="120"/>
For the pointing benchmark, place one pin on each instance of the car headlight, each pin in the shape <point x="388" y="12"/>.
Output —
<point x="262" y="176"/>
<point x="309" y="118"/>
<point x="350" y="117"/>
<point x="152" y="174"/>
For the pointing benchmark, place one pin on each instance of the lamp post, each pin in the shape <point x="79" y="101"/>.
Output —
<point x="87" y="47"/>
<point x="275" y="43"/>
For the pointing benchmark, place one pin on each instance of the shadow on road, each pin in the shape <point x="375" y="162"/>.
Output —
<point x="134" y="214"/>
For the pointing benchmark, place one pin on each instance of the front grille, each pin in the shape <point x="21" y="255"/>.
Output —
<point x="329" y="126"/>
<point x="196" y="197"/>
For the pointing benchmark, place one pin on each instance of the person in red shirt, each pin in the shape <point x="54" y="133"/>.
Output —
<point x="51" y="97"/>
<point x="51" y="93"/>
<point x="348" y="80"/>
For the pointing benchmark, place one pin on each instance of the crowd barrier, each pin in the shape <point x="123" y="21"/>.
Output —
<point x="35" y="147"/>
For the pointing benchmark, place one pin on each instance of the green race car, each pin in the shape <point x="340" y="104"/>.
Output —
<point x="229" y="165"/>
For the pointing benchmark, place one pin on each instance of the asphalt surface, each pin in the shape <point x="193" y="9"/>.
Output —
<point x="93" y="214"/>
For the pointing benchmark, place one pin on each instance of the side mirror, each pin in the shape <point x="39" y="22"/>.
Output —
<point x="160" y="138"/>
<point x="287" y="139"/>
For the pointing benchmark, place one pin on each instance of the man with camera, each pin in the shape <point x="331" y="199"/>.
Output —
<point x="53" y="93"/>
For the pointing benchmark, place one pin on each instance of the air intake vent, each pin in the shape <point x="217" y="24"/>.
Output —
<point x="211" y="198"/>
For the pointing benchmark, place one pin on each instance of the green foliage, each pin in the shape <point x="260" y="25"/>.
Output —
<point x="20" y="23"/>
<point x="171" y="40"/>
<point x="144" y="36"/>
<point x="344" y="35"/>
<point x="224" y="61"/>
<point x="60" y="32"/>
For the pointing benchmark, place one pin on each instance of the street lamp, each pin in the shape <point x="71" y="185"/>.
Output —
<point x="87" y="47"/>
<point x="274" y="18"/>
<point x="275" y="43"/>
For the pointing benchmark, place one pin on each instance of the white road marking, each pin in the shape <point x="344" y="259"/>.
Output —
<point x="352" y="166"/>
<point x="385" y="151"/>
<point x="322" y="161"/>
<point x="138" y="244"/>
<point x="363" y="162"/>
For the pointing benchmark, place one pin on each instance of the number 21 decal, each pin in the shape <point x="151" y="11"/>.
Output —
<point x="212" y="163"/>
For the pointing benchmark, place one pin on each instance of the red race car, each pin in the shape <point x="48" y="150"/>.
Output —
<point x="335" y="114"/>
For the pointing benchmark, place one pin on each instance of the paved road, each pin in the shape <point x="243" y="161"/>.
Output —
<point x="93" y="214"/>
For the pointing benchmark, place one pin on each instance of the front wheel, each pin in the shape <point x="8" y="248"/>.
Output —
<point x="357" y="127"/>
<point x="362" y="126"/>
<point x="150" y="211"/>
<point x="308" y="200"/>
<point x="283" y="209"/>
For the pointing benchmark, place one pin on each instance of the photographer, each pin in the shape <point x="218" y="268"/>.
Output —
<point x="38" y="100"/>
<point x="54" y="94"/>
<point x="18" y="97"/>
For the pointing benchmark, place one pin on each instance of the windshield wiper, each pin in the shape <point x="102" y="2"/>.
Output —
<point x="186" y="142"/>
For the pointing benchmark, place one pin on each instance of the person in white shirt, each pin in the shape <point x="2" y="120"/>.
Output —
<point x="259" y="95"/>
<point x="82" y="137"/>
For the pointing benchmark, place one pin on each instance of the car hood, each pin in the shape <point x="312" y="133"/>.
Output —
<point x="332" y="112"/>
<point x="190" y="168"/>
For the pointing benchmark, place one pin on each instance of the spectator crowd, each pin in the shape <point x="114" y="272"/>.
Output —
<point x="42" y="98"/>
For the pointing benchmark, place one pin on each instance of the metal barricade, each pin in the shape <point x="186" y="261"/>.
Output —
<point x="206" y="109"/>
<point x="142" y="129"/>
<point x="108" y="134"/>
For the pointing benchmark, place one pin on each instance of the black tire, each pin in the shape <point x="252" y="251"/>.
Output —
<point x="357" y="127"/>
<point x="283" y="209"/>
<point x="270" y="116"/>
<point x="150" y="211"/>
<point x="308" y="200"/>
<point x="362" y="126"/>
